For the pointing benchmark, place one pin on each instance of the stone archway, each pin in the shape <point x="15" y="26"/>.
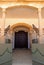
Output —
<point x="29" y="27"/>
<point x="22" y="27"/>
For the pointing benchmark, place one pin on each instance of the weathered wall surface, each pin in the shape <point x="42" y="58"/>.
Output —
<point x="5" y="54"/>
<point x="38" y="54"/>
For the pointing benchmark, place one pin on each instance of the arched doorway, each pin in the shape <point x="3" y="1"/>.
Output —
<point x="21" y="35"/>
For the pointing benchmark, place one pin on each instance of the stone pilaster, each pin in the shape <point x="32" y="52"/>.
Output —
<point x="40" y="25"/>
<point x="3" y="25"/>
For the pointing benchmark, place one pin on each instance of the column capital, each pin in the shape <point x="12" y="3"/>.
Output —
<point x="3" y="10"/>
<point x="39" y="14"/>
<point x="39" y="10"/>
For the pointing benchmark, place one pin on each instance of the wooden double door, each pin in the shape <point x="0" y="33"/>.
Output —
<point x="21" y="39"/>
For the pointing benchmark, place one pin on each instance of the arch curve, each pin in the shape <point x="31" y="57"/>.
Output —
<point x="24" y="6"/>
<point x="29" y="27"/>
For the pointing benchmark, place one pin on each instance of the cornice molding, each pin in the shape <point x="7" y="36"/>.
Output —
<point x="21" y="0"/>
<point x="12" y="4"/>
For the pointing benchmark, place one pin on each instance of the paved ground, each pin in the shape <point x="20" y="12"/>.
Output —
<point x="22" y="57"/>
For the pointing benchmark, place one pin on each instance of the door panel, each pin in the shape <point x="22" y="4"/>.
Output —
<point x="21" y="39"/>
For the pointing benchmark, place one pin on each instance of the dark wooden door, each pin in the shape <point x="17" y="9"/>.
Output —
<point x="21" y="39"/>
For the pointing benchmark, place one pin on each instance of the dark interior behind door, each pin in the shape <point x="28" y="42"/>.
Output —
<point x="21" y="39"/>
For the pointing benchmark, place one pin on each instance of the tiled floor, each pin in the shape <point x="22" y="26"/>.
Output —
<point x="22" y="57"/>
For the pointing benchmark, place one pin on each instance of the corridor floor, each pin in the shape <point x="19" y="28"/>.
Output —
<point x="22" y="57"/>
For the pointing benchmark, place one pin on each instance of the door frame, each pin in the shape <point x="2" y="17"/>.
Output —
<point x="29" y="40"/>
